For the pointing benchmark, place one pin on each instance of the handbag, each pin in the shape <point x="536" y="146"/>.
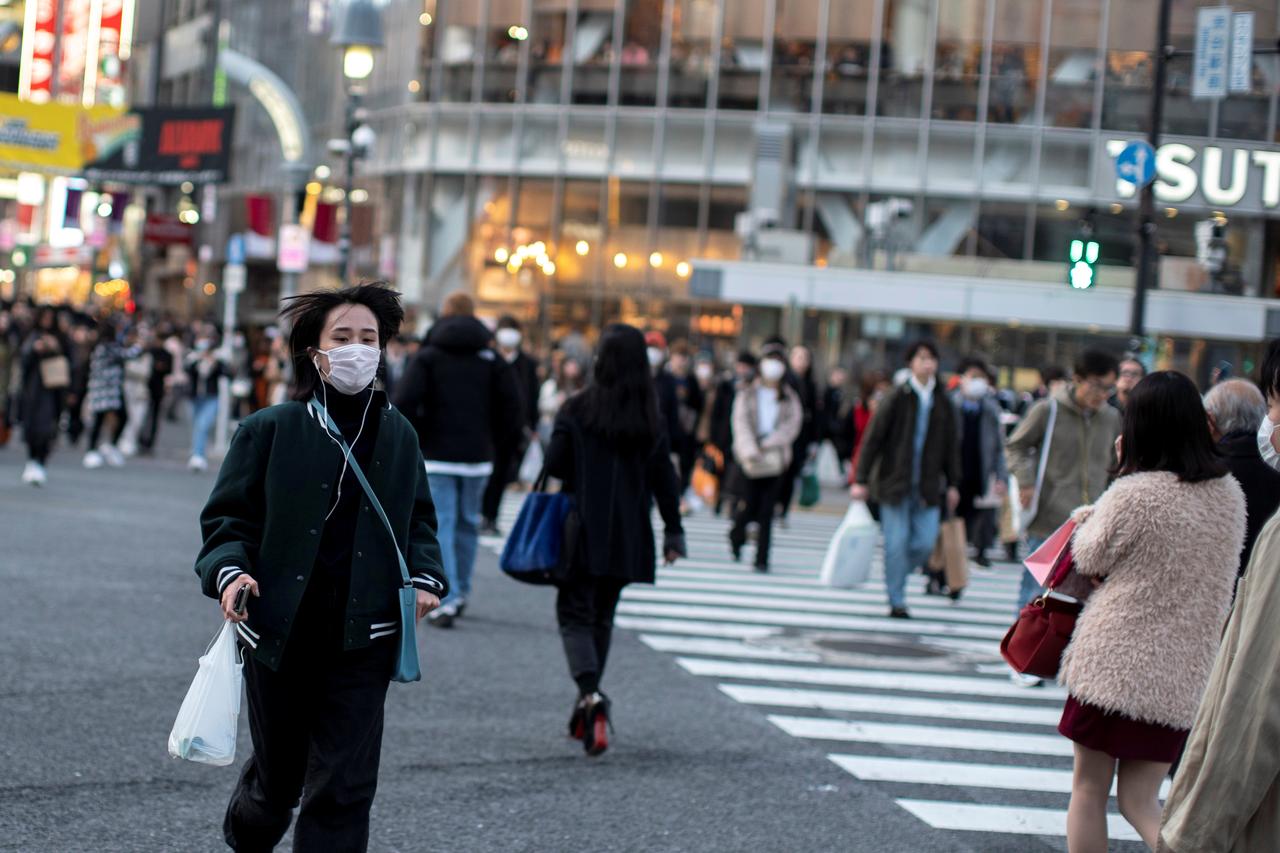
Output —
<point x="55" y="373"/>
<point x="772" y="462"/>
<point x="1035" y="642"/>
<point x="540" y="546"/>
<point x="407" y="666"/>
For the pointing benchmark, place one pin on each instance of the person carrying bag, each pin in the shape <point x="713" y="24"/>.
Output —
<point x="767" y="417"/>
<point x="322" y="511"/>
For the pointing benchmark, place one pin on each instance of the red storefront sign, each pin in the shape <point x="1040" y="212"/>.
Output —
<point x="166" y="230"/>
<point x="39" y="40"/>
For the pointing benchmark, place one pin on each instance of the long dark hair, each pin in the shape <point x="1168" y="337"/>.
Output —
<point x="307" y="314"/>
<point x="1166" y="429"/>
<point x="620" y="404"/>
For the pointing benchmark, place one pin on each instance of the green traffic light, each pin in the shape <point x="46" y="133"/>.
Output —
<point x="1082" y="257"/>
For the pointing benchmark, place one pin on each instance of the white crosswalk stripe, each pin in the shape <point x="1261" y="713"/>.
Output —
<point x="922" y="706"/>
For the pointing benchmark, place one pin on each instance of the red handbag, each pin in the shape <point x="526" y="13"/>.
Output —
<point x="1036" y="641"/>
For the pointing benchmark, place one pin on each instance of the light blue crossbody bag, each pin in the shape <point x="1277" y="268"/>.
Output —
<point x="407" y="668"/>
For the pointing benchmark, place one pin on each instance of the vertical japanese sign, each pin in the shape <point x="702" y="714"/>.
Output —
<point x="1213" y="36"/>
<point x="104" y="77"/>
<point x="39" y="41"/>
<point x="75" y="51"/>
<point x="1241" y="53"/>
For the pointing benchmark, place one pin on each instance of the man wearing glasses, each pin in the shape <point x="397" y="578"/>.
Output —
<point x="1062" y="453"/>
<point x="1131" y="373"/>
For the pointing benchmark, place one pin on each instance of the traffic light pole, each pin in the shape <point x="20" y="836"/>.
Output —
<point x="1148" y="256"/>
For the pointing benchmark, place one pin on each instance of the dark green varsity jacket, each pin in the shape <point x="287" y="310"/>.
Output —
<point x="266" y="514"/>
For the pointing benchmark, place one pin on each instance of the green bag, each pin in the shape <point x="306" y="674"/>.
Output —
<point x="810" y="491"/>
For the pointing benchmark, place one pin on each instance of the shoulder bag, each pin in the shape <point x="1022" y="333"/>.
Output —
<point x="545" y="530"/>
<point x="55" y="373"/>
<point x="1029" y="514"/>
<point x="407" y="667"/>
<point x="1035" y="642"/>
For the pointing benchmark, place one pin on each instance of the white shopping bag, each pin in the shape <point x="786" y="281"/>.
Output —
<point x="848" y="560"/>
<point x="205" y="730"/>
<point x="829" y="471"/>
<point x="531" y="465"/>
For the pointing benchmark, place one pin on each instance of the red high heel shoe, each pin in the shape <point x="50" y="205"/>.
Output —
<point x="578" y="720"/>
<point x="596" y="737"/>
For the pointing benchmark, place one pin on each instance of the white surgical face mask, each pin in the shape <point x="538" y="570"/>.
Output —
<point x="704" y="371"/>
<point x="976" y="388"/>
<point x="772" y="370"/>
<point x="509" y="338"/>
<point x="351" y="367"/>
<point x="656" y="356"/>
<point x="1266" y="443"/>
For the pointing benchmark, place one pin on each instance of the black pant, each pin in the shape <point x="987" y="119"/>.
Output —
<point x="787" y="490"/>
<point x="506" y="466"/>
<point x="38" y="449"/>
<point x="757" y="505"/>
<point x="318" y="722"/>
<point x="148" y="439"/>
<point x="584" y="609"/>
<point x="99" y="420"/>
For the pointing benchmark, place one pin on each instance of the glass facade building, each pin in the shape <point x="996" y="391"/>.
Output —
<point x="624" y="139"/>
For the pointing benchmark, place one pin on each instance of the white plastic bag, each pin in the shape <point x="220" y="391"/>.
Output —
<point x="205" y="730"/>
<point x="531" y="465"/>
<point x="848" y="560"/>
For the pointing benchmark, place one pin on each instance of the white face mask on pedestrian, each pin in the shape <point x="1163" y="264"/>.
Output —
<point x="508" y="338"/>
<point x="351" y="367"/>
<point x="656" y="357"/>
<point x="976" y="388"/>
<point x="1267" y="443"/>
<point x="704" y="372"/>
<point x="772" y="370"/>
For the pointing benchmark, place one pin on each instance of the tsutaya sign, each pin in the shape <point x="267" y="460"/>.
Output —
<point x="1211" y="176"/>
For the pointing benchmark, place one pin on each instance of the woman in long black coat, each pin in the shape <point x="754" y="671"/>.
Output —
<point x="610" y="450"/>
<point x="40" y="406"/>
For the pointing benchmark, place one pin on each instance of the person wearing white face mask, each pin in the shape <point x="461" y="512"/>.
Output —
<point x="290" y="520"/>
<point x="984" y="477"/>
<point x="767" y="418"/>
<point x="506" y="463"/>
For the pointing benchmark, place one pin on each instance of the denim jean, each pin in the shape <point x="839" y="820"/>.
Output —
<point x="1030" y="587"/>
<point x="457" y="501"/>
<point x="910" y="532"/>
<point x="204" y="412"/>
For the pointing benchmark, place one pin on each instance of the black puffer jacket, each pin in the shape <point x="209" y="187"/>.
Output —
<point x="458" y="393"/>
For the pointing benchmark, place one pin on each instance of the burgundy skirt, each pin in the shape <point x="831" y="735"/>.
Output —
<point x="1121" y="737"/>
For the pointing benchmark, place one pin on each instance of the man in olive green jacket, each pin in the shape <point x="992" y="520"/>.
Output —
<point x="1081" y="450"/>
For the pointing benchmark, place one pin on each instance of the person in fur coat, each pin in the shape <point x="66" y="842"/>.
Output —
<point x="1161" y="547"/>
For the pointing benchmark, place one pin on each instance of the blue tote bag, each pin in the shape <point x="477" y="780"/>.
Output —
<point x="539" y="549"/>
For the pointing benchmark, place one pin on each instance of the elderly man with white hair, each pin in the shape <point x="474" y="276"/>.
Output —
<point x="1236" y="408"/>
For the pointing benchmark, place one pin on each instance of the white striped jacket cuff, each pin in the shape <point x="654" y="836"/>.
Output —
<point x="226" y="575"/>
<point x="426" y="583"/>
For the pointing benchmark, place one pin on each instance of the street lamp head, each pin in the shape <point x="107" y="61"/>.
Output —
<point x="357" y="23"/>
<point x="364" y="137"/>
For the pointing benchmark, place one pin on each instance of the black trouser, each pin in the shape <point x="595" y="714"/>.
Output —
<point x="317" y="722"/>
<point x="100" y="419"/>
<point x="38" y="449"/>
<point x="148" y="439"/>
<point x="505" y="469"/>
<point x="584" y="609"/>
<point x="787" y="489"/>
<point x="757" y="505"/>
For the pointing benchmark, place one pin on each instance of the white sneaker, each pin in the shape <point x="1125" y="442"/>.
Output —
<point x="113" y="456"/>
<point x="28" y="473"/>
<point x="1026" y="680"/>
<point x="198" y="464"/>
<point x="129" y="448"/>
<point x="38" y="476"/>
<point x="93" y="459"/>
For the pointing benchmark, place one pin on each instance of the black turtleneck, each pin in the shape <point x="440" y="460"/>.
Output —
<point x="324" y="602"/>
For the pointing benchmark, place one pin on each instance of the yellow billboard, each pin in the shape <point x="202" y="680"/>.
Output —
<point x="60" y="138"/>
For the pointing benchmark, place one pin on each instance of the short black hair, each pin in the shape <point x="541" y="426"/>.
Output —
<point x="1052" y="373"/>
<point x="1094" y="362"/>
<point x="1269" y="381"/>
<point x="307" y="314"/>
<point x="971" y="361"/>
<point x="506" y="321"/>
<point x="1166" y="429"/>
<point x="923" y="344"/>
<point x="748" y="358"/>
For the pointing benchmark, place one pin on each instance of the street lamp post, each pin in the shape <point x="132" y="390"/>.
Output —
<point x="358" y="31"/>
<point x="1148" y="255"/>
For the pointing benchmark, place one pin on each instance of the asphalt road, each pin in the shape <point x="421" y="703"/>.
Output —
<point x="103" y="621"/>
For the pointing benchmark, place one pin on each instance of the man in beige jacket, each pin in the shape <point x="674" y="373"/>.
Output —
<point x="1226" y="796"/>
<point x="1081" y="450"/>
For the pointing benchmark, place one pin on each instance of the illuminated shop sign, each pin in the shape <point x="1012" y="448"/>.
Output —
<point x="1211" y="176"/>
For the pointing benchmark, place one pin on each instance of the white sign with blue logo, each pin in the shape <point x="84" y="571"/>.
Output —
<point x="1136" y="164"/>
<point x="1213" y="40"/>
<point x="235" y="249"/>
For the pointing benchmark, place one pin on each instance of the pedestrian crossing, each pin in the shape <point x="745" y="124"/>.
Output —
<point x="922" y="707"/>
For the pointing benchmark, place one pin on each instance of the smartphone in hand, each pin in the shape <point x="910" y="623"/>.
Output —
<point x="242" y="598"/>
